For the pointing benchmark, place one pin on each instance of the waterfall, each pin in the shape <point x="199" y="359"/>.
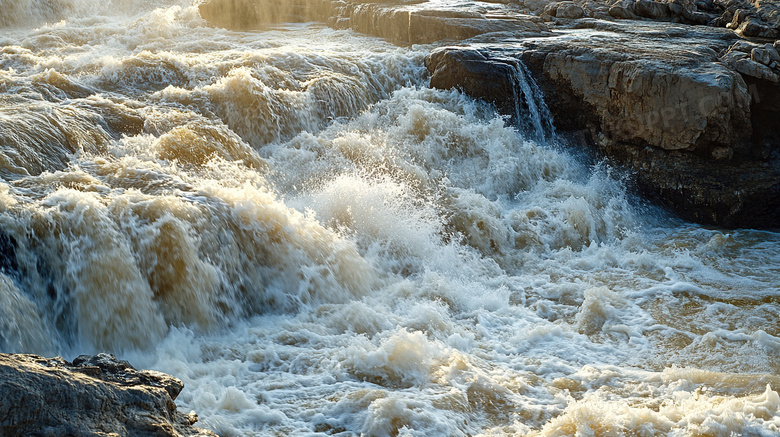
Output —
<point x="531" y="114"/>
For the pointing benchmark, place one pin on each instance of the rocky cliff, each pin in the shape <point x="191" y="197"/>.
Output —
<point x="682" y="93"/>
<point x="93" y="395"/>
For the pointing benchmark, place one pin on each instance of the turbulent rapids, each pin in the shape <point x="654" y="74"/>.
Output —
<point x="316" y="242"/>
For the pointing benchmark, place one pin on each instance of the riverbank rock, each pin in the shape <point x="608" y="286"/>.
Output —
<point x="93" y="395"/>
<point x="692" y="130"/>
<point x="424" y="21"/>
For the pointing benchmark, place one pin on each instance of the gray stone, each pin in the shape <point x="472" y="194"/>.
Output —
<point x="752" y="68"/>
<point x="766" y="55"/>
<point x="568" y="10"/>
<point x="94" y="395"/>
<point x="739" y="16"/>
<point x="723" y="20"/>
<point x="761" y="56"/>
<point x="731" y="58"/>
<point x="743" y="46"/>
<point x="622" y="12"/>
<point x="755" y="27"/>
<point x="652" y="9"/>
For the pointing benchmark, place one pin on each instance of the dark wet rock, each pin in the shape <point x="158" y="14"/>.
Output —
<point x="494" y="80"/>
<point x="94" y="395"/>
<point x="752" y="68"/>
<point x="652" y="9"/>
<point x="715" y="191"/>
<point x="8" y="262"/>
<point x="470" y="71"/>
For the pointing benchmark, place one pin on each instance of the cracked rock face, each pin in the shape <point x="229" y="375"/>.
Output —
<point x="94" y="395"/>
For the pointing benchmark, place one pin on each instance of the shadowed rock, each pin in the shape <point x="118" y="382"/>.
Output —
<point x="94" y="395"/>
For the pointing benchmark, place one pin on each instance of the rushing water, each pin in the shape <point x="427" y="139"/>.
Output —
<point x="292" y="222"/>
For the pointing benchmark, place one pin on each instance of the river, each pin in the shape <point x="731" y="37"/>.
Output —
<point x="316" y="242"/>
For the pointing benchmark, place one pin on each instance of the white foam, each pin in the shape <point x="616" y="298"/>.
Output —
<point x="315" y="242"/>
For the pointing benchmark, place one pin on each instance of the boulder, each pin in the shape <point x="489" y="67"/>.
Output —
<point x="689" y="11"/>
<point x="93" y="395"/>
<point x="765" y="55"/>
<point x="743" y="46"/>
<point x="622" y="12"/>
<point x="568" y="10"/>
<point x="752" y="68"/>
<point x="772" y="52"/>
<point x="755" y="27"/>
<point x="470" y="71"/>
<point x="502" y="82"/>
<point x="652" y="9"/>
<point x="731" y="58"/>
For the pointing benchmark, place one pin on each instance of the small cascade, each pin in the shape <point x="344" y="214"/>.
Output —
<point x="531" y="114"/>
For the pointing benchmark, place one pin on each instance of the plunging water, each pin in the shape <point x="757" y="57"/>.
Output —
<point x="291" y="221"/>
<point x="531" y="112"/>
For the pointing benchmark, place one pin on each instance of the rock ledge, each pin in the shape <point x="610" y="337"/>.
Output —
<point x="94" y="395"/>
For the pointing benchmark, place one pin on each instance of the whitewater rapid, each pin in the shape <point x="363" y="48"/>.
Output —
<point x="316" y="242"/>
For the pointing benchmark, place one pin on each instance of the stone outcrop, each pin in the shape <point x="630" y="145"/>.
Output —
<point x="760" y="61"/>
<point x="693" y="130"/>
<point x="93" y="395"/>
<point x="672" y="95"/>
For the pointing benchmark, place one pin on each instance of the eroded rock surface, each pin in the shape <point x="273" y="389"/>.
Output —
<point x="94" y="395"/>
